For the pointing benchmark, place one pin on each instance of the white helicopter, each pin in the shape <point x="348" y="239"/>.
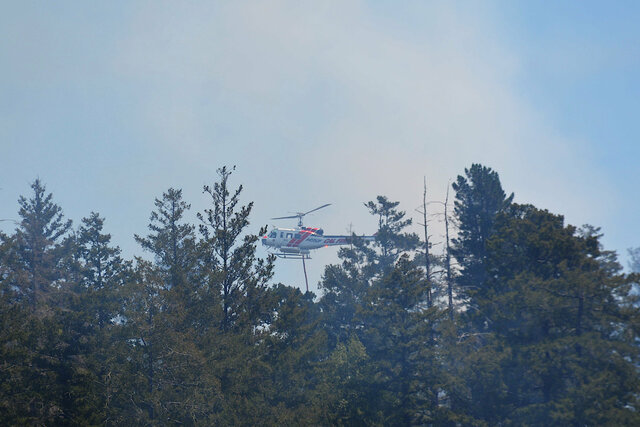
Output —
<point x="298" y="242"/>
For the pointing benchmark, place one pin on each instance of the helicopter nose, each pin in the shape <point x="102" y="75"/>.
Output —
<point x="264" y="240"/>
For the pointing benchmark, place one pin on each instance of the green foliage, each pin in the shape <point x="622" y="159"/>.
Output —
<point x="398" y="335"/>
<point x="376" y="302"/>
<point x="39" y="244"/>
<point x="161" y="318"/>
<point x="170" y="241"/>
<point x="343" y="394"/>
<point x="479" y="198"/>
<point x="101" y="262"/>
<point x="391" y="239"/>
<point x="198" y="336"/>
<point x="8" y="264"/>
<point x="345" y="285"/>
<point x="553" y="313"/>
<point x="236" y="277"/>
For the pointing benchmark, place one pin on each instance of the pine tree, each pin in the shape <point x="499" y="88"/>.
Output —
<point x="343" y="288"/>
<point x="8" y="262"/>
<point x="145" y="335"/>
<point x="161" y="317"/>
<point x="399" y="334"/>
<point x="101" y="261"/>
<point x="559" y="339"/>
<point x="297" y="343"/>
<point x="170" y="241"/>
<point x="378" y="299"/>
<point x="39" y="244"/>
<point x="479" y="198"/>
<point x="15" y="355"/>
<point x="236" y="303"/>
<point x="101" y="276"/>
<point x="237" y="277"/>
<point x="102" y="269"/>
<point x="45" y="332"/>
<point x="391" y="241"/>
<point x="343" y="396"/>
<point x="345" y="285"/>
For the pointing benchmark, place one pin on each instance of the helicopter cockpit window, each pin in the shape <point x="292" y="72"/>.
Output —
<point x="273" y="235"/>
<point x="289" y="235"/>
<point x="297" y="236"/>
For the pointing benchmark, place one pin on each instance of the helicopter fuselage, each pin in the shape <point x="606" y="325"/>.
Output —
<point x="301" y="240"/>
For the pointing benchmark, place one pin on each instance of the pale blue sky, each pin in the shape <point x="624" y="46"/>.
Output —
<point x="321" y="102"/>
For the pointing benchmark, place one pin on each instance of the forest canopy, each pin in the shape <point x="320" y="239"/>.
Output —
<point x="521" y="319"/>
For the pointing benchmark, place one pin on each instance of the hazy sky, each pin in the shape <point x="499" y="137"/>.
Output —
<point x="111" y="103"/>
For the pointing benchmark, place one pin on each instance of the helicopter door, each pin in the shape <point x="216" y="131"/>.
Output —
<point x="288" y="238"/>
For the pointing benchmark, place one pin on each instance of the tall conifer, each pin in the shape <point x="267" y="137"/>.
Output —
<point x="559" y="338"/>
<point x="237" y="277"/>
<point x="39" y="242"/>
<point x="479" y="198"/>
<point x="236" y="304"/>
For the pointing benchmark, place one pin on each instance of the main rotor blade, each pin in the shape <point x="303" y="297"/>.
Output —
<point x="313" y="210"/>
<point x="287" y="217"/>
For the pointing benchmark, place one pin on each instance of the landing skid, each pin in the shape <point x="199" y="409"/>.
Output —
<point x="297" y="256"/>
<point x="292" y="256"/>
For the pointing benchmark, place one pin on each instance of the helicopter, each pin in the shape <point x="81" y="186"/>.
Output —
<point x="298" y="242"/>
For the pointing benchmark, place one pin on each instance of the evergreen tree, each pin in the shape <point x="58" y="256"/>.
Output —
<point x="101" y="261"/>
<point x="448" y="274"/>
<point x="479" y="198"/>
<point x="559" y="338"/>
<point x="197" y="337"/>
<point x="161" y="318"/>
<point x="236" y="303"/>
<point x="173" y="244"/>
<point x="391" y="240"/>
<point x="177" y="277"/>
<point x="102" y="270"/>
<point x="343" y="395"/>
<point x="375" y="307"/>
<point x="345" y="285"/>
<point x="162" y="376"/>
<point x="7" y="267"/>
<point x="398" y="335"/>
<point x="39" y="244"/>
<point x="170" y="241"/>
<point x="296" y="344"/>
<point x="343" y="288"/>
<point x="45" y="333"/>
<point x="607" y="259"/>
<point x="145" y="334"/>
<point x="97" y="299"/>
<point x="237" y="278"/>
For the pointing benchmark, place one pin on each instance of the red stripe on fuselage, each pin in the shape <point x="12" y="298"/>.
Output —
<point x="304" y="234"/>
